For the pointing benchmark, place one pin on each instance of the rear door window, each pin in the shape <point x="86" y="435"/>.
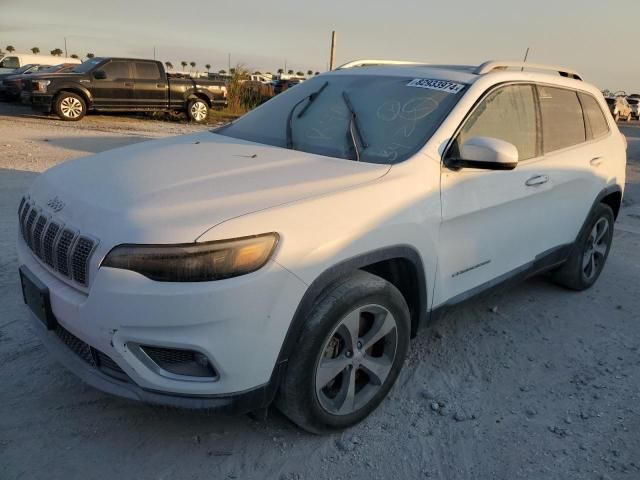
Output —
<point x="147" y="71"/>
<point x="117" y="70"/>
<point x="563" y="124"/>
<point x="597" y="125"/>
<point x="508" y="114"/>
<point x="10" y="62"/>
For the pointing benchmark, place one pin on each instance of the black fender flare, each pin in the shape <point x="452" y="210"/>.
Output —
<point x="200" y="93"/>
<point x="334" y="273"/>
<point x="77" y="89"/>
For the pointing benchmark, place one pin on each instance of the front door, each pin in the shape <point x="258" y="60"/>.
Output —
<point x="116" y="90"/>
<point x="494" y="223"/>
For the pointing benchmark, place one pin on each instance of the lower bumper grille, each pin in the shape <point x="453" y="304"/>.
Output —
<point x="90" y="355"/>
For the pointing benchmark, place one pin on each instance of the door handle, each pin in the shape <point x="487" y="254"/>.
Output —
<point x="596" y="161"/>
<point x="128" y="84"/>
<point x="160" y="85"/>
<point x="537" y="180"/>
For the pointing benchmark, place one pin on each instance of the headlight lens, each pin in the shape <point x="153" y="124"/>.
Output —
<point x="41" y="85"/>
<point x="195" y="262"/>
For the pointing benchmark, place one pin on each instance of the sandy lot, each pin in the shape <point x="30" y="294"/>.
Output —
<point x="536" y="382"/>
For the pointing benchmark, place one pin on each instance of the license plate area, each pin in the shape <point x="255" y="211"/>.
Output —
<point x="36" y="295"/>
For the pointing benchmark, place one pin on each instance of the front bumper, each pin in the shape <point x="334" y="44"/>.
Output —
<point x="91" y="373"/>
<point x="41" y="102"/>
<point x="239" y="324"/>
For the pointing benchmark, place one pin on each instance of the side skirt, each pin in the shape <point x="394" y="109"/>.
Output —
<point x="543" y="262"/>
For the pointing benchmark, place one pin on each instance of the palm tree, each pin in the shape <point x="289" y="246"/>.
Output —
<point x="257" y="72"/>
<point x="317" y="73"/>
<point x="222" y="72"/>
<point x="232" y="71"/>
<point x="35" y="50"/>
<point x="208" y="67"/>
<point x="10" y="49"/>
<point x="280" y="71"/>
<point x="184" y="64"/>
<point x="73" y="55"/>
<point x="169" y="65"/>
<point x="309" y="72"/>
<point x="56" y="52"/>
<point x="90" y="55"/>
<point x="290" y="72"/>
<point x="300" y="74"/>
<point x="193" y="65"/>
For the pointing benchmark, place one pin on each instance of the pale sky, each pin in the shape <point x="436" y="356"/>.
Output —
<point x="600" y="39"/>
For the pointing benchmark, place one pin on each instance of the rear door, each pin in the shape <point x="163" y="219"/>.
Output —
<point x="573" y="127"/>
<point x="116" y="90"/>
<point x="151" y="87"/>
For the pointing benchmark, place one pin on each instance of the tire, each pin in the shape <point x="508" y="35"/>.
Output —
<point x="325" y="342"/>
<point x="70" y="107"/>
<point x="594" y="241"/>
<point x="198" y="110"/>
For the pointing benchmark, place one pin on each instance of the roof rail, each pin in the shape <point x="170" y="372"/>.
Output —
<point x="373" y="63"/>
<point x="492" y="65"/>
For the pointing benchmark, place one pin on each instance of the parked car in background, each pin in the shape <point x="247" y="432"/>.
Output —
<point x="291" y="255"/>
<point x="619" y="108"/>
<point x="109" y="84"/>
<point x="634" y="103"/>
<point x="12" y="85"/>
<point x="13" y="61"/>
<point x="280" y="85"/>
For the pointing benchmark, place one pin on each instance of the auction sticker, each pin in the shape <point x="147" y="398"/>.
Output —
<point x="441" y="85"/>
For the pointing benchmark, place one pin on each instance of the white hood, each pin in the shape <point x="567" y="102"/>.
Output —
<point x="172" y="190"/>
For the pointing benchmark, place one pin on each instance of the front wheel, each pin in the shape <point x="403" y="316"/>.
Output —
<point x="70" y="107"/>
<point x="590" y="252"/>
<point x="198" y="110"/>
<point x="349" y="355"/>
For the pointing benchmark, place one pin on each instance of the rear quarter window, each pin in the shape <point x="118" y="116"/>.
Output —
<point x="597" y="125"/>
<point x="563" y="124"/>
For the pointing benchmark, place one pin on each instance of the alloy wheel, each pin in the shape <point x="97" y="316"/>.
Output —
<point x="356" y="359"/>
<point x="199" y="111"/>
<point x="596" y="249"/>
<point x="71" y="107"/>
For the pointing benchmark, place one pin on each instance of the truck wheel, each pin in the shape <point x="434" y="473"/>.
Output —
<point x="70" y="107"/>
<point x="198" y="110"/>
<point x="590" y="252"/>
<point x="348" y="356"/>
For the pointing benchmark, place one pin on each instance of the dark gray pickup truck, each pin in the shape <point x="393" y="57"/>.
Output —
<point x="123" y="85"/>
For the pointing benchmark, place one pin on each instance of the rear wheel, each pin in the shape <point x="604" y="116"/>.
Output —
<point x="590" y="252"/>
<point x="198" y="110"/>
<point x="70" y="106"/>
<point x="349" y="355"/>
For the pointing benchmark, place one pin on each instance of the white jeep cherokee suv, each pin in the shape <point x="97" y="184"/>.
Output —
<point x="290" y="255"/>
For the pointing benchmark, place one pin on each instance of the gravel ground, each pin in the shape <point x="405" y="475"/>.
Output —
<point x="531" y="383"/>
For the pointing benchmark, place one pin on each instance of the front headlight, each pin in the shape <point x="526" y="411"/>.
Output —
<point x="195" y="262"/>
<point x="41" y="85"/>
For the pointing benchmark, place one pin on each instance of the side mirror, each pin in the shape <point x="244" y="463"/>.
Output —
<point x="486" y="153"/>
<point x="100" y="75"/>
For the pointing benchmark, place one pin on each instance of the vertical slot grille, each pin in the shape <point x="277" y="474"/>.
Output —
<point x="60" y="248"/>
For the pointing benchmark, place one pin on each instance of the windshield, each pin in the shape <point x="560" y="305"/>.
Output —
<point x="395" y="115"/>
<point x="87" y="65"/>
<point x="9" y="62"/>
<point x="633" y="101"/>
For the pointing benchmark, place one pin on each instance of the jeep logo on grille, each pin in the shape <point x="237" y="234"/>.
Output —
<point x="55" y="204"/>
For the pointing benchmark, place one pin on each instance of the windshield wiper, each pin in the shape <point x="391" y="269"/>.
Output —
<point x="354" y="128"/>
<point x="309" y="99"/>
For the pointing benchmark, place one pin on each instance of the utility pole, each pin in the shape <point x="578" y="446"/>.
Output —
<point x="332" y="58"/>
<point x="229" y="63"/>
<point x="65" y="48"/>
<point x="154" y="52"/>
